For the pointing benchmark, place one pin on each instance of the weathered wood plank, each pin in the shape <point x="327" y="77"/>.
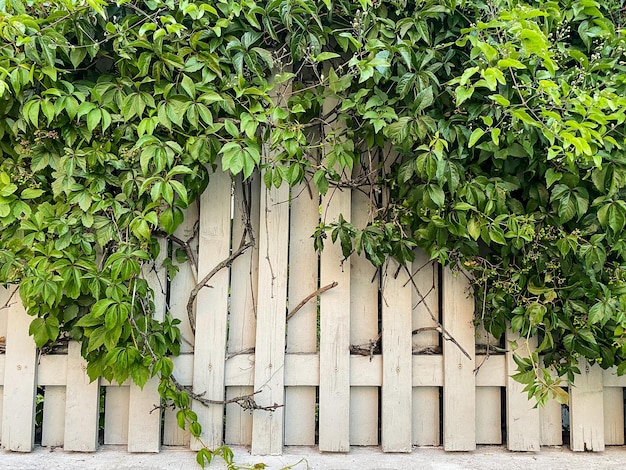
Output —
<point x="53" y="423"/>
<point x="459" y="391"/>
<point x="242" y="316"/>
<point x="397" y="393"/>
<point x="523" y="429"/>
<point x="144" y="415"/>
<point x="82" y="404"/>
<point x="302" y="327"/>
<point x="334" y="394"/>
<point x="613" y="416"/>
<point x="18" y="408"/>
<point x="269" y="378"/>
<point x="364" y="287"/>
<point x="212" y="308"/>
<point x="426" y="409"/>
<point x="586" y="409"/>
<point x="488" y="415"/>
<point x="116" y="405"/>
<point x="550" y="424"/>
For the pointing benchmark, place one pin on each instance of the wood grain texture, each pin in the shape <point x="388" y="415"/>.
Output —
<point x="116" y="401"/>
<point x="397" y="394"/>
<point x="459" y="391"/>
<point x="586" y="409"/>
<point x="269" y="379"/>
<point x="212" y="308"/>
<point x="18" y="408"/>
<point x="82" y="404"/>
<point x="613" y="416"/>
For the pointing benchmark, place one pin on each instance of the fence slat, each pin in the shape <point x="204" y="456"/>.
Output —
<point x="242" y="317"/>
<point x="397" y="360"/>
<point x="551" y="427"/>
<point x="18" y="410"/>
<point x="82" y="404"/>
<point x="364" y="286"/>
<point x="180" y="287"/>
<point x="334" y="394"/>
<point x="53" y="423"/>
<point x="212" y="308"/>
<point x="116" y="402"/>
<point x="302" y="327"/>
<point x="523" y="429"/>
<point x="586" y="409"/>
<point x="269" y="373"/>
<point x="144" y="415"/>
<point x="426" y="414"/>
<point x="459" y="391"/>
<point x="613" y="416"/>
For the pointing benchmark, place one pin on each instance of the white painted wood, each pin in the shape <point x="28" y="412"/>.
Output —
<point x="550" y="424"/>
<point x="144" y="414"/>
<point x="611" y="379"/>
<point x="53" y="425"/>
<point x="488" y="399"/>
<point x="172" y="434"/>
<point x="364" y="287"/>
<point x="334" y="393"/>
<point x="300" y="402"/>
<point x="273" y="237"/>
<point x="82" y="404"/>
<point x="52" y="370"/>
<point x="212" y="308"/>
<point x="116" y="405"/>
<point x="18" y="408"/>
<point x="397" y="360"/>
<point x="613" y="416"/>
<point x="180" y="288"/>
<point x="185" y="279"/>
<point x="587" y="409"/>
<point x="459" y="391"/>
<point x="523" y="429"/>
<point x="492" y="370"/>
<point x="488" y="416"/>
<point x="242" y="316"/>
<point x="426" y="409"/>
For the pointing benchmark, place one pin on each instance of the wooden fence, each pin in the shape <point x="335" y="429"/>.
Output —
<point x="362" y="364"/>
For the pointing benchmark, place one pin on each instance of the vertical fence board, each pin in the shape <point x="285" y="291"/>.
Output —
<point x="18" y="413"/>
<point x="334" y="394"/>
<point x="613" y="416"/>
<point x="212" y="308"/>
<point x="116" y="404"/>
<point x="397" y="360"/>
<point x="425" y="282"/>
<point x="242" y="316"/>
<point x="488" y="416"/>
<point x="53" y="423"/>
<point x="459" y="391"/>
<point x="550" y="424"/>
<point x="364" y="285"/>
<point x="302" y="327"/>
<point x="82" y="404"/>
<point x="523" y="429"/>
<point x="587" y="409"/>
<point x="269" y="374"/>
<point x="144" y="414"/>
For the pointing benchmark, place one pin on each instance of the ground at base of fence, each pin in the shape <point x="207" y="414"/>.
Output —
<point x="484" y="458"/>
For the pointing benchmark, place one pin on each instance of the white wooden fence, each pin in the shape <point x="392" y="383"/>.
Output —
<point x="340" y="386"/>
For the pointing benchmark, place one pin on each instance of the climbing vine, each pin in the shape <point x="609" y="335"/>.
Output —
<point x="488" y="133"/>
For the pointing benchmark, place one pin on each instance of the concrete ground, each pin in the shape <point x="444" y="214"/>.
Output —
<point x="301" y="458"/>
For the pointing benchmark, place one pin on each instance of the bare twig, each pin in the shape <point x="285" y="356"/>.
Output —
<point x="319" y="291"/>
<point x="247" y="402"/>
<point x="204" y="282"/>
<point x="367" y="349"/>
<point x="189" y="252"/>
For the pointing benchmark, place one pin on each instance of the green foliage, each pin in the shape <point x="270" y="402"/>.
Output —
<point x="506" y="121"/>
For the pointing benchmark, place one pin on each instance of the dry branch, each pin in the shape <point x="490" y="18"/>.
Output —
<point x="319" y="291"/>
